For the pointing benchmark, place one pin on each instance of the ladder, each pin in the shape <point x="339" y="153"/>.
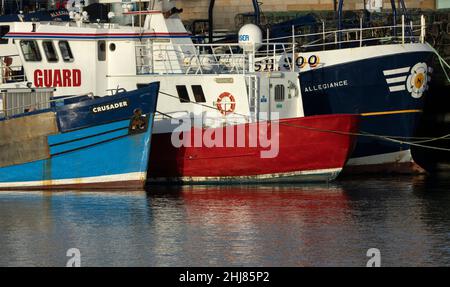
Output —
<point x="253" y="95"/>
<point x="144" y="57"/>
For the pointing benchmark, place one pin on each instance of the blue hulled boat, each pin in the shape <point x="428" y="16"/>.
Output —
<point x="78" y="142"/>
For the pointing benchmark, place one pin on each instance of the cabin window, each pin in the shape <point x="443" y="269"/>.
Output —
<point x="3" y="31"/>
<point x="112" y="47"/>
<point x="30" y="51"/>
<point x="65" y="50"/>
<point x="183" y="94"/>
<point x="101" y="50"/>
<point x="50" y="51"/>
<point x="279" y="93"/>
<point x="198" y="94"/>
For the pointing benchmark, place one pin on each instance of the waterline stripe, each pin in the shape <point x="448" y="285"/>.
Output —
<point x="331" y="173"/>
<point x="132" y="176"/>
<point x="390" y="113"/>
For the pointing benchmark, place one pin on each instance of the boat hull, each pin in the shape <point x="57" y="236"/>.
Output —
<point x="109" y="158"/>
<point x="85" y="148"/>
<point x="378" y="83"/>
<point x="307" y="152"/>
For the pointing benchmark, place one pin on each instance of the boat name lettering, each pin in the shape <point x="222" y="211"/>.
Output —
<point x="59" y="13"/>
<point x="110" y="107"/>
<point x="57" y="78"/>
<point x="326" y="86"/>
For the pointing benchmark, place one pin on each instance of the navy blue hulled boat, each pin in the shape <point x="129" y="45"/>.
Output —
<point x="92" y="143"/>
<point x="383" y="75"/>
<point x="386" y="85"/>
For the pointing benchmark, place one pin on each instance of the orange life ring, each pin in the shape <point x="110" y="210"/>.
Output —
<point x="223" y="110"/>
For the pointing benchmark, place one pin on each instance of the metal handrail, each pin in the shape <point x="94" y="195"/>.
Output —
<point x="223" y="58"/>
<point x="191" y="60"/>
<point x="37" y="104"/>
<point x="337" y="31"/>
<point x="327" y="34"/>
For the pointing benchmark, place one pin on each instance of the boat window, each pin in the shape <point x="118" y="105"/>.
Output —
<point x="50" y="52"/>
<point x="183" y="94"/>
<point x="198" y="94"/>
<point x="65" y="50"/>
<point x="101" y="51"/>
<point x="279" y="93"/>
<point x="3" y="31"/>
<point x="30" y="51"/>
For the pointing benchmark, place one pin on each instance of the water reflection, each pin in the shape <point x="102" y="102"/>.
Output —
<point x="407" y="218"/>
<point x="271" y="225"/>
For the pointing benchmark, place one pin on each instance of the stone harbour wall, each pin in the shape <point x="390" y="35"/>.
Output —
<point x="226" y="10"/>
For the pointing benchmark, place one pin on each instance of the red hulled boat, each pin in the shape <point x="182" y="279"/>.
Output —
<point x="309" y="149"/>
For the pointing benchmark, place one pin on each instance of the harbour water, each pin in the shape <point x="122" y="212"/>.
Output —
<point x="406" y="218"/>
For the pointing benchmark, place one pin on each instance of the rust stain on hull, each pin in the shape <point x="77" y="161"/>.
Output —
<point x="410" y="168"/>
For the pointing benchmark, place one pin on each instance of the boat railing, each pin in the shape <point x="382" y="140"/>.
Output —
<point x="406" y="32"/>
<point x="16" y="101"/>
<point x="22" y="100"/>
<point x="81" y="24"/>
<point x="155" y="57"/>
<point x="168" y="58"/>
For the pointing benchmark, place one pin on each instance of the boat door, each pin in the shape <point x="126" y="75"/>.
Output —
<point x="284" y="96"/>
<point x="279" y="92"/>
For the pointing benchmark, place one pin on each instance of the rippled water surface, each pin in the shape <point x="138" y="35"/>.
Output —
<point x="406" y="218"/>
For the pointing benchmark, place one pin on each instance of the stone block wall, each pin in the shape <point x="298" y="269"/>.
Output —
<point x="226" y="10"/>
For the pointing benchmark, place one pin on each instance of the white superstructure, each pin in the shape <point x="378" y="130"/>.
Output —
<point x="196" y="80"/>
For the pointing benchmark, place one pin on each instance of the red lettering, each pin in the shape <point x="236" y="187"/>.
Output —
<point x="66" y="78"/>
<point x="48" y="76"/>
<point x="76" y="76"/>
<point x="57" y="79"/>
<point x="38" y="78"/>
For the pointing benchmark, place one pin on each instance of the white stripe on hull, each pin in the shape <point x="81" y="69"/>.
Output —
<point x="395" y="157"/>
<point x="396" y="80"/>
<point x="299" y="176"/>
<point x="397" y="71"/>
<point x="135" y="176"/>
<point x="397" y="88"/>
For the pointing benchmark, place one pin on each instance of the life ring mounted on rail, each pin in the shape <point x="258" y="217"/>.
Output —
<point x="226" y="107"/>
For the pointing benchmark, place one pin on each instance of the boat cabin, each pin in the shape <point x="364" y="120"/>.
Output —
<point x="78" y="57"/>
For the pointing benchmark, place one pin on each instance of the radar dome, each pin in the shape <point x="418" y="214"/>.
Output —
<point x="250" y="35"/>
<point x="164" y="5"/>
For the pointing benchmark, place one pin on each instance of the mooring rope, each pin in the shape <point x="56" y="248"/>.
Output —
<point x="441" y="61"/>
<point x="394" y="139"/>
